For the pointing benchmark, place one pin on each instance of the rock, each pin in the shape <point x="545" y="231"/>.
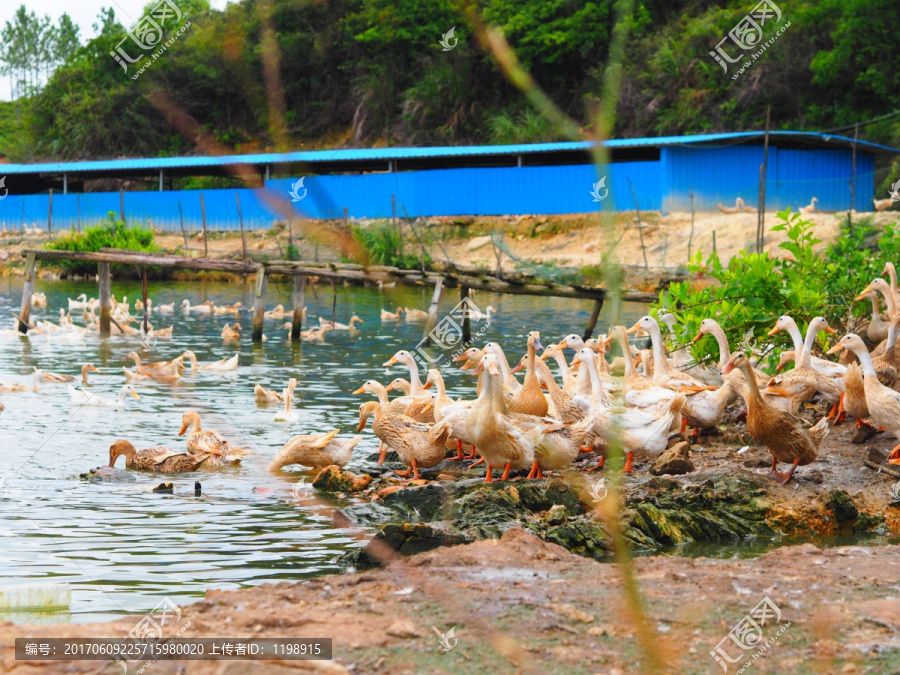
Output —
<point x="758" y="461"/>
<point x="674" y="461"/>
<point x="108" y="473"/>
<point x="815" y="477"/>
<point x="403" y="628"/>
<point x="408" y="538"/>
<point x="372" y="514"/>
<point x="556" y="515"/>
<point x="358" y="559"/>
<point x="164" y="489"/>
<point x="864" y="433"/>
<point x="877" y="456"/>
<point x="843" y="508"/>
<point x="425" y="502"/>
<point x="334" y="479"/>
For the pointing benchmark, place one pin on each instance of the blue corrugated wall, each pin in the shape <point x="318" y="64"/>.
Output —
<point x="719" y="175"/>
<point x="716" y="174"/>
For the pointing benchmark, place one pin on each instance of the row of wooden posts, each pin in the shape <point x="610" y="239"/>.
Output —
<point x="463" y="279"/>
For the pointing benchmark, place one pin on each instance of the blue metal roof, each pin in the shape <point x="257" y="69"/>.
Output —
<point x="814" y="139"/>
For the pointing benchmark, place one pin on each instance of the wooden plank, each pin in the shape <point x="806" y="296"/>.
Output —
<point x="151" y="260"/>
<point x="27" y="290"/>
<point x="592" y="321"/>
<point x="259" y="303"/>
<point x="299" y="302"/>
<point x="104" y="290"/>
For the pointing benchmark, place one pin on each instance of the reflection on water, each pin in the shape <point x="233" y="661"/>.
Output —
<point x="121" y="546"/>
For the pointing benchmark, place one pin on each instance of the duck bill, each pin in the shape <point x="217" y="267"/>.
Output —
<point x="461" y="357"/>
<point x="698" y="337"/>
<point x="493" y="370"/>
<point x="361" y="390"/>
<point x="774" y="331"/>
<point x="183" y="429"/>
<point x="829" y="330"/>
<point x="361" y="426"/>
<point x="382" y="453"/>
<point x="837" y="348"/>
<point x="727" y="368"/>
<point x="517" y="368"/>
<point x="634" y="329"/>
<point x="576" y="361"/>
<point x="428" y="384"/>
<point x="134" y="394"/>
<point x="390" y="387"/>
<point x="391" y="361"/>
<point x="864" y="293"/>
<point x="538" y="345"/>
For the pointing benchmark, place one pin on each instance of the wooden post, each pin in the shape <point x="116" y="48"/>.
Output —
<point x="852" y="182"/>
<point x="50" y="214"/>
<point x="144" y="295"/>
<point x="433" y="310"/>
<point x="203" y="214"/>
<point x="333" y="300"/>
<point x="714" y="241"/>
<point x="183" y="233"/>
<point x="27" y="290"/>
<point x="763" y="171"/>
<point x="122" y="204"/>
<point x="691" y="237"/>
<point x="103" y="274"/>
<point x="498" y="253"/>
<point x="467" y="325"/>
<point x="241" y="221"/>
<point x="592" y="321"/>
<point x="290" y="233"/>
<point x="259" y="303"/>
<point x="299" y="302"/>
<point x="640" y="227"/>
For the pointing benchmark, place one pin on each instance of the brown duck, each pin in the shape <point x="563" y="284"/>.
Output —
<point x="780" y="431"/>
<point x="159" y="459"/>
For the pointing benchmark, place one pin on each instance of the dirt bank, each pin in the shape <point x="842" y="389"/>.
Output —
<point x="519" y="604"/>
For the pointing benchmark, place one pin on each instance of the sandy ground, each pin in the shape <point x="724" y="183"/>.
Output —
<point x="521" y="605"/>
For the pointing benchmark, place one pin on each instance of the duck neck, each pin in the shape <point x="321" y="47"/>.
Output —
<point x="441" y="399"/>
<point x="530" y="376"/>
<point x="805" y="358"/>
<point x="865" y="360"/>
<point x="892" y="275"/>
<point x="752" y="385"/>
<point x="796" y="336"/>
<point x="381" y="393"/>
<point x="876" y="310"/>
<point x="596" y="386"/>
<point x="660" y="364"/>
<point x="415" y="384"/>
<point x="889" y="301"/>
<point x="724" y="349"/>
<point x="892" y="335"/>
<point x="547" y="377"/>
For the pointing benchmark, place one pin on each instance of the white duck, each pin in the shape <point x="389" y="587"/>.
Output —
<point x="84" y="398"/>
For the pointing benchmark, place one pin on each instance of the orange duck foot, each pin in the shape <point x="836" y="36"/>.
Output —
<point x="506" y="471"/>
<point x="894" y="457"/>
<point x="487" y="478"/>
<point x="472" y="456"/>
<point x="585" y="448"/>
<point x="459" y="452"/>
<point x="683" y="425"/>
<point x="476" y="463"/>
<point x="628" y="458"/>
<point x="534" y="469"/>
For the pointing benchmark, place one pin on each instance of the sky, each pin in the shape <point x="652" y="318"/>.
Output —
<point x="84" y="14"/>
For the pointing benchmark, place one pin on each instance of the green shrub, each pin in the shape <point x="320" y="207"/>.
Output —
<point x="112" y="233"/>
<point x="384" y="246"/>
<point x="753" y="289"/>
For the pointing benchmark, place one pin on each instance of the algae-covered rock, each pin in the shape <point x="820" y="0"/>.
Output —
<point x="423" y="501"/>
<point x="556" y="515"/>
<point x="108" y="473"/>
<point x="334" y="479"/>
<point x="674" y="461"/>
<point x="842" y="507"/>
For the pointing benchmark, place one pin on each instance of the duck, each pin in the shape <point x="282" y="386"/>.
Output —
<point x="81" y="302"/>
<point x="288" y="414"/>
<point x="529" y="399"/>
<point x="159" y="459"/>
<point x="391" y="316"/>
<point x="712" y="327"/>
<point x="205" y="308"/>
<point x="781" y="432"/>
<point x="737" y="208"/>
<point x="804" y="381"/>
<point x="39" y="300"/>
<point x="139" y="305"/>
<point x="454" y="411"/>
<point x="337" y="325"/>
<point x="57" y="377"/>
<point x="276" y="312"/>
<point x="314" y="334"/>
<point x="166" y="309"/>
<point x="567" y="374"/>
<point x="500" y="441"/>
<point x="315" y="451"/>
<point x="418" y="408"/>
<point x="231" y="333"/>
<point x="419" y="446"/>
<point x="877" y="329"/>
<point x="160" y="374"/>
<point x="270" y="395"/>
<point x="705" y="405"/>
<point x="415" y="315"/>
<point x="208" y="442"/>
<point x="682" y="359"/>
<point x="221" y="365"/>
<point x="16" y="387"/>
<point x="786" y="323"/>
<point x="809" y="208"/>
<point x="510" y="384"/>
<point x="403" y="357"/>
<point x="83" y="398"/>
<point x="234" y="309"/>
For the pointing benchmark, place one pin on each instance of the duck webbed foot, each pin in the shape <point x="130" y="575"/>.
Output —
<point x="629" y="456"/>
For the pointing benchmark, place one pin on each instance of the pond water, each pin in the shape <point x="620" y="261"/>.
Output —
<point x="124" y="548"/>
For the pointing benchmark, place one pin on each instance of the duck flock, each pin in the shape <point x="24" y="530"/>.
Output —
<point x="586" y="403"/>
